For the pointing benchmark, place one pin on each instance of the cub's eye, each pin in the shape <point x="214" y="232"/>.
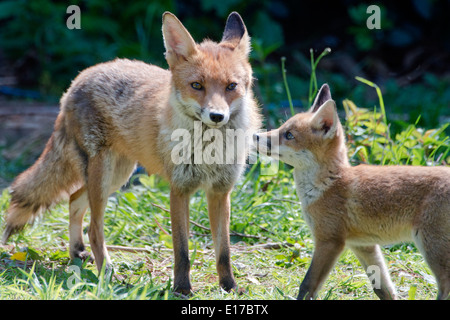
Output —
<point x="231" y="86"/>
<point x="288" y="135"/>
<point x="196" y="86"/>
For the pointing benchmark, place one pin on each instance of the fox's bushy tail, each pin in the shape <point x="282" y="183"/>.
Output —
<point x="49" y="179"/>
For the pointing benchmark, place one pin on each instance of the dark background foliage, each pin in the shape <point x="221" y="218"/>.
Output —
<point x="408" y="57"/>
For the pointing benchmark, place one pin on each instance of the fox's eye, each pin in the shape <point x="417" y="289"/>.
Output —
<point x="231" y="86"/>
<point x="196" y="86"/>
<point x="289" y="135"/>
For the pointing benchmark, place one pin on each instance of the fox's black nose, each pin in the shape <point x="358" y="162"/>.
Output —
<point x="255" y="137"/>
<point x="216" y="117"/>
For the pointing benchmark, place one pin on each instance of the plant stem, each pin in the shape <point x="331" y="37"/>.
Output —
<point x="313" y="78"/>
<point x="380" y="96"/>
<point x="288" y="92"/>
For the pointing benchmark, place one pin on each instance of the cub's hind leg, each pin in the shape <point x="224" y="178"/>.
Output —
<point x="434" y="244"/>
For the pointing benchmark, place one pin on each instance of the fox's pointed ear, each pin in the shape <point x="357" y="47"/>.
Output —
<point x="325" y="119"/>
<point x="235" y="34"/>
<point x="177" y="40"/>
<point x="323" y="95"/>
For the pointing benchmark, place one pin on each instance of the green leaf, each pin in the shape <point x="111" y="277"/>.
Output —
<point x="59" y="254"/>
<point x="166" y="240"/>
<point x="34" y="254"/>
<point x="412" y="292"/>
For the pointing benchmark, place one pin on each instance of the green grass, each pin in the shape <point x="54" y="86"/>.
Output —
<point x="264" y="210"/>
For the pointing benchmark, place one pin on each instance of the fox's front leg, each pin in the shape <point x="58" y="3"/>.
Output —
<point x="324" y="258"/>
<point x="219" y="217"/>
<point x="179" y="215"/>
<point x="372" y="256"/>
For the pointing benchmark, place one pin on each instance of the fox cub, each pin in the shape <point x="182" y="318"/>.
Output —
<point x="118" y="113"/>
<point x="361" y="207"/>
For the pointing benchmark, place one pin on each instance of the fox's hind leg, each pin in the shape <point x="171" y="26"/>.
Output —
<point x="99" y="179"/>
<point x="79" y="202"/>
<point x="371" y="258"/>
<point x="106" y="172"/>
<point x="78" y="205"/>
<point x="434" y="244"/>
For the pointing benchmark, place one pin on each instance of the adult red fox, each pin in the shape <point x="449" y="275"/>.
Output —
<point x="118" y="113"/>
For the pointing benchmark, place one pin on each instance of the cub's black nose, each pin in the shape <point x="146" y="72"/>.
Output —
<point x="216" y="117"/>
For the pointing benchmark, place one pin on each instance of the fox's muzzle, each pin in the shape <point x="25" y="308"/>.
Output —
<point x="263" y="143"/>
<point x="214" y="118"/>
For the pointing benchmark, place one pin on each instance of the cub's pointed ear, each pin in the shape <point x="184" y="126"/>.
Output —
<point x="235" y="34"/>
<point x="325" y="120"/>
<point x="178" y="42"/>
<point x="323" y="95"/>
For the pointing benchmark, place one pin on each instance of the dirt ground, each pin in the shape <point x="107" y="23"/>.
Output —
<point x="24" y="129"/>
